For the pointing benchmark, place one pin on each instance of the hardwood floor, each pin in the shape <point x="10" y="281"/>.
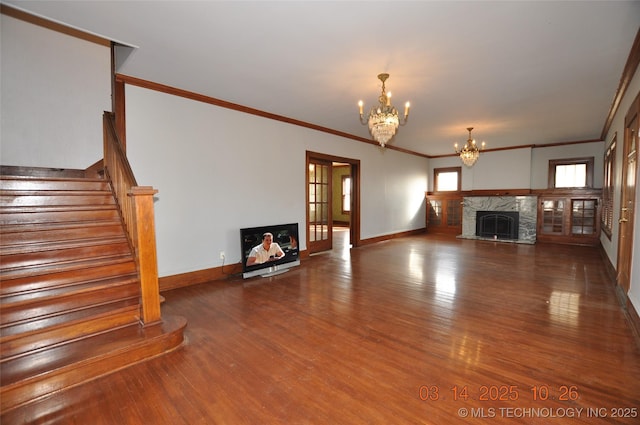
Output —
<point x="389" y="333"/>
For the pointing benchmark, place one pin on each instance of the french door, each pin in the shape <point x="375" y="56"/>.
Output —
<point x="319" y="202"/>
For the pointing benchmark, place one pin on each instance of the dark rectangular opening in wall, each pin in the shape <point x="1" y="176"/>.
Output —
<point x="497" y="224"/>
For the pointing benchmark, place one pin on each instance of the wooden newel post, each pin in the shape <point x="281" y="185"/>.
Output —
<point x="145" y="244"/>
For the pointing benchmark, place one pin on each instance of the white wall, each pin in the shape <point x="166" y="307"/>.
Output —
<point x="508" y="169"/>
<point x="219" y="170"/>
<point x="526" y="168"/>
<point x="541" y="156"/>
<point x="54" y="88"/>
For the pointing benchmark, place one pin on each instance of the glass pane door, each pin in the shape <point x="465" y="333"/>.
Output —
<point x="553" y="216"/>
<point x="319" y="205"/>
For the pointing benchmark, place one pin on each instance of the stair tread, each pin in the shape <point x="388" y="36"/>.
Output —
<point x="55" y="245"/>
<point x="53" y="192"/>
<point x="56" y="259"/>
<point x="55" y="208"/>
<point x="82" y="350"/>
<point x="16" y="184"/>
<point x="25" y="177"/>
<point x="115" y="279"/>
<point x="45" y="308"/>
<point x="121" y="267"/>
<point x="62" y="217"/>
<point x="33" y="271"/>
<point x="41" y="235"/>
<point x="58" y="225"/>
<point x="42" y="296"/>
<point x="14" y="329"/>
<point x="24" y="343"/>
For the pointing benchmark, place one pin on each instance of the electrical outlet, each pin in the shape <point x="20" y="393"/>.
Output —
<point x="222" y="255"/>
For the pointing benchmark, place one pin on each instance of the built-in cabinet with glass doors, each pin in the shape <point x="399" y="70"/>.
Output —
<point x="569" y="218"/>
<point x="444" y="213"/>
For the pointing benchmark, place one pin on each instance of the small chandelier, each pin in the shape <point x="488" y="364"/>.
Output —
<point x="469" y="153"/>
<point x="383" y="119"/>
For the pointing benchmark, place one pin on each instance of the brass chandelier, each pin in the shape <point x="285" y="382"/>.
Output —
<point x="469" y="153"/>
<point x="383" y="119"/>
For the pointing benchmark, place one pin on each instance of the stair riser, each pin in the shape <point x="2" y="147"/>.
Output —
<point x="39" y="201"/>
<point x="21" y="344"/>
<point x="43" y="270"/>
<point x="35" y="248"/>
<point x="41" y="324"/>
<point x="70" y="216"/>
<point x="63" y="234"/>
<point x="56" y="305"/>
<point x="71" y="277"/>
<point x="60" y="256"/>
<point x="34" y="184"/>
<point x="64" y="290"/>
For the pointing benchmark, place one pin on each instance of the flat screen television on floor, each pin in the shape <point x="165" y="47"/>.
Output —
<point x="285" y="235"/>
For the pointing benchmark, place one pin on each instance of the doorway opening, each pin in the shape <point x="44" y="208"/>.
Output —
<point x="333" y="202"/>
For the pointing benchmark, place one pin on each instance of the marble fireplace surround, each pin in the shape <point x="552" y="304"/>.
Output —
<point x="527" y="206"/>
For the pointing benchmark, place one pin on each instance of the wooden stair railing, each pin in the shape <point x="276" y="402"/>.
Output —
<point x="70" y="292"/>
<point x="136" y="206"/>
<point x="79" y="293"/>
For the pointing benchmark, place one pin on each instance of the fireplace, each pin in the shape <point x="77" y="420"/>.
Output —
<point x="525" y="206"/>
<point x="497" y="224"/>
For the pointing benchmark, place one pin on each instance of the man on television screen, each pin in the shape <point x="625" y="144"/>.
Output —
<point x="268" y="250"/>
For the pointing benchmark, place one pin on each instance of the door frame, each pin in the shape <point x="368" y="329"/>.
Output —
<point x="627" y="199"/>
<point x="354" y="222"/>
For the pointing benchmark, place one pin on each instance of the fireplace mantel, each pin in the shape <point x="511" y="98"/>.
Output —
<point x="526" y="206"/>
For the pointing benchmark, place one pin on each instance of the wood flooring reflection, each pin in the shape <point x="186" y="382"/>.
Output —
<point x="418" y="330"/>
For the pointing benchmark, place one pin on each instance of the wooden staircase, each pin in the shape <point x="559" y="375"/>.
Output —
<point x="69" y="288"/>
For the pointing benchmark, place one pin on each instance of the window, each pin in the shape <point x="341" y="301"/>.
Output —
<point x="607" y="189"/>
<point x="346" y="194"/>
<point x="571" y="173"/>
<point x="447" y="179"/>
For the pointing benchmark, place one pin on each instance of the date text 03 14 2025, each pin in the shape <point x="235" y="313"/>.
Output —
<point x="499" y="393"/>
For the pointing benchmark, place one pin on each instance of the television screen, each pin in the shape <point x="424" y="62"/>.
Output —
<point x="269" y="250"/>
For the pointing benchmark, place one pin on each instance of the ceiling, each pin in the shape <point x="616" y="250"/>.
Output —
<point x="519" y="72"/>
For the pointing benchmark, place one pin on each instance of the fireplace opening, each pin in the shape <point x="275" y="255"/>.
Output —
<point x="497" y="224"/>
